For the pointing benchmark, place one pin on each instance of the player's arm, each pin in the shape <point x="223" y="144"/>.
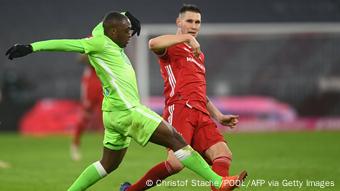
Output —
<point x="61" y="45"/>
<point x="159" y="44"/>
<point x="226" y="120"/>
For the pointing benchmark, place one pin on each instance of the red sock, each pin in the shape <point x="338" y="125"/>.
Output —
<point x="158" y="173"/>
<point x="221" y="165"/>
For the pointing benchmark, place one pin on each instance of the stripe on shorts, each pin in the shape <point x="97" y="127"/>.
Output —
<point x="172" y="79"/>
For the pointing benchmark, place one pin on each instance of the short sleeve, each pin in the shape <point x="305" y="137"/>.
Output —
<point x="168" y="53"/>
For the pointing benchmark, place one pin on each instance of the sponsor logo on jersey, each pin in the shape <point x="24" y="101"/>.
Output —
<point x="190" y="59"/>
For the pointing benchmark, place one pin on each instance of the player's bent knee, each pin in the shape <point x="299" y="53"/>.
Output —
<point x="223" y="154"/>
<point x="218" y="150"/>
<point x="230" y="154"/>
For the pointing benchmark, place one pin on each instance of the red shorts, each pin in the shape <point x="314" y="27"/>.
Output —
<point x="196" y="127"/>
<point x="91" y="90"/>
<point x="91" y="99"/>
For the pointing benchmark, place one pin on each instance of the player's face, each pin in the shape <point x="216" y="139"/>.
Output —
<point x="189" y="23"/>
<point x="123" y="33"/>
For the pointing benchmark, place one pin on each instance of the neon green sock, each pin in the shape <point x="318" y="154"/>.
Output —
<point x="194" y="161"/>
<point x="88" y="177"/>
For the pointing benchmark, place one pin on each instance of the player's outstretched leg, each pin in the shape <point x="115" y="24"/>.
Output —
<point x="98" y="170"/>
<point x="167" y="136"/>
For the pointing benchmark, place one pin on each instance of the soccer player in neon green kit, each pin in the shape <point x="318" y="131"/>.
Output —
<point x="124" y="117"/>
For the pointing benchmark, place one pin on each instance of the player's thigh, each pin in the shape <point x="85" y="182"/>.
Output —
<point x="144" y="122"/>
<point x="115" y="137"/>
<point x="179" y="116"/>
<point x="138" y="123"/>
<point x="206" y="135"/>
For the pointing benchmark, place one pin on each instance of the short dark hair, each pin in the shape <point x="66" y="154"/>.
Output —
<point x="114" y="16"/>
<point x="189" y="7"/>
<point x="111" y="19"/>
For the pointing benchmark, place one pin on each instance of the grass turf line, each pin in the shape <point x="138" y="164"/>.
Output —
<point x="43" y="163"/>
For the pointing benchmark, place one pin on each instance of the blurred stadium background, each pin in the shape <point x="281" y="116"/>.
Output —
<point x="273" y="62"/>
<point x="282" y="50"/>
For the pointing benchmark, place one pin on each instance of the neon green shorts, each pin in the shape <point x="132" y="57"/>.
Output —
<point x="137" y="123"/>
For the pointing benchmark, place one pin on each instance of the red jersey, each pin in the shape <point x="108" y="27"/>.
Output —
<point x="184" y="77"/>
<point x="91" y="90"/>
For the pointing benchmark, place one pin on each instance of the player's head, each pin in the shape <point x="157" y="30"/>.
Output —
<point x="189" y="20"/>
<point x="118" y="28"/>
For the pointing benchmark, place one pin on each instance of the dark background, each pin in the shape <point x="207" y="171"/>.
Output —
<point x="57" y="75"/>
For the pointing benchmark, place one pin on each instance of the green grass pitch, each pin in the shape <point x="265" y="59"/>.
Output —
<point x="275" y="161"/>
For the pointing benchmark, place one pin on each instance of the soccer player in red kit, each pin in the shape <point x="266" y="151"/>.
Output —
<point x="187" y="107"/>
<point x="91" y="101"/>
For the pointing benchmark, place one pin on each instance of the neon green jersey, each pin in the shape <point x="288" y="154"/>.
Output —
<point x="112" y="66"/>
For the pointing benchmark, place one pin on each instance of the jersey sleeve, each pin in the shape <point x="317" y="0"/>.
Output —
<point x="65" y="45"/>
<point x="86" y="45"/>
<point x="168" y="52"/>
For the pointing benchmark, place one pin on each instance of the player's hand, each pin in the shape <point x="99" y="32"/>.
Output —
<point x="135" y="23"/>
<point x="196" y="47"/>
<point x="18" y="50"/>
<point x="228" y="120"/>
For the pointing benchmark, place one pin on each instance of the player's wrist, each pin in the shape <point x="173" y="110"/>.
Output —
<point x="35" y="46"/>
<point x="219" y="117"/>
